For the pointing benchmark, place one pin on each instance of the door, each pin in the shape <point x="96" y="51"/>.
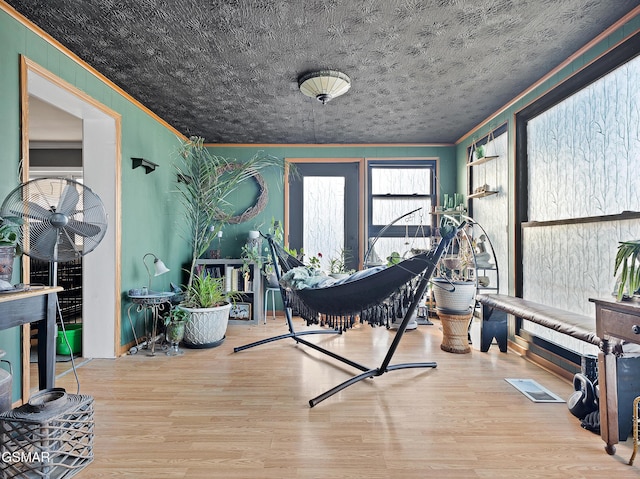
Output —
<point x="324" y="212"/>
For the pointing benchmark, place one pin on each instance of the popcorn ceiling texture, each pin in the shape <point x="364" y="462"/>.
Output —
<point x="227" y="70"/>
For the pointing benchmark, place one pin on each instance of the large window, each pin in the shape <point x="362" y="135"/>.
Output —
<point x="577" y="183"/>
<point x="397" y="188"/>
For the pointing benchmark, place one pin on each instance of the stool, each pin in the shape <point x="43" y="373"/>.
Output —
<point x="273" y="301"/>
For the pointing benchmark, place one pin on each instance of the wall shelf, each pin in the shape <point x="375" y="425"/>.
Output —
<point x="479" y="161"/>
<point x="482" y="194"/>
<point x="625" y="215"/>
<point x="148" y="166"/>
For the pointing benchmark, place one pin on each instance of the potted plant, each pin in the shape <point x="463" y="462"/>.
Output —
<point x="208" y="305"/>
<point x="204" y="184"/>
<point x="454" y="284"/>
<point x="9" y="248"/>
<point x="628" y="262"/>
<point x="338" y="265"/>
<point x="174" y="324"/>
<point x="262" y="259"/>
<point x="454" y="291"/>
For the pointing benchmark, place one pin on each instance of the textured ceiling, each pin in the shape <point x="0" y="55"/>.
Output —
<point x="227" y="70"/>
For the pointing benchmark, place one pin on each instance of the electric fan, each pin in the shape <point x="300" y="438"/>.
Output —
<point x="62" y="219"/>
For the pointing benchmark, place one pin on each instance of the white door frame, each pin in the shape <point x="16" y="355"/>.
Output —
<point x="102" y="167"/>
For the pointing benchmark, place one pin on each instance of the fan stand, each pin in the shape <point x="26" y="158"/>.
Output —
<point x="53" y="281"/>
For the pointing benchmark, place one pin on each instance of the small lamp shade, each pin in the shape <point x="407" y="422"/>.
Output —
<point x="158" y="267"/>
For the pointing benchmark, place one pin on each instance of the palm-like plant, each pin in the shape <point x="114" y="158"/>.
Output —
<point x="628" y="257"/>
<point x="205" y="182"/>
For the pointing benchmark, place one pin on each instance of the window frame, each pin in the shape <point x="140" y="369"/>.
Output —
<point x="399" y="231"/>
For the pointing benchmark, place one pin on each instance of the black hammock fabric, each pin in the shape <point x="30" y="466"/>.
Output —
<point x="378" y="299"/>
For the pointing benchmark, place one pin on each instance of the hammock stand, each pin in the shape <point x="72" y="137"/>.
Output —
<point x="341" y="302"/>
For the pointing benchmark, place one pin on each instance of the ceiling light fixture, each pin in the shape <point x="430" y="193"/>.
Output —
<point x="324" y="85"/>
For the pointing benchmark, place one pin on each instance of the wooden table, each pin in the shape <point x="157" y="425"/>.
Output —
<point x="615" y="321"/>
<point x="35" y="306"/>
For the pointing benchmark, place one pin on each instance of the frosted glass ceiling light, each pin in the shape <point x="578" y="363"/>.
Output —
<point x="324" y="85"/>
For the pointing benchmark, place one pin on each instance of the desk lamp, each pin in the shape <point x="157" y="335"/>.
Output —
<point x="158" y="266"/>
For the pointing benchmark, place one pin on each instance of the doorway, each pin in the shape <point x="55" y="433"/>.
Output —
<point x="324" y="211"/>
<point x="100" y="138"/>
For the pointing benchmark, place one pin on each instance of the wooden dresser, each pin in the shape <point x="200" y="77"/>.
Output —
<point x="615" y="321"/>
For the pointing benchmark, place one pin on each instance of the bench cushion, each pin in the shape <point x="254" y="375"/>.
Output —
<point x="575" y="325"/>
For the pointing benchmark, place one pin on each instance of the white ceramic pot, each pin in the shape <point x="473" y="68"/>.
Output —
<point x="455" y="297"/>
<point x="206" y="327"/>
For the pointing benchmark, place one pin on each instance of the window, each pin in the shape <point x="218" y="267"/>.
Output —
<point x="397" y="188"/>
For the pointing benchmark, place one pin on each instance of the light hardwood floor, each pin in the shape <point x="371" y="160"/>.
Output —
<point x="219" y="414"/>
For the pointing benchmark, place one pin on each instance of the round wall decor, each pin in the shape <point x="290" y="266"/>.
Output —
<point x="261" y="202"/>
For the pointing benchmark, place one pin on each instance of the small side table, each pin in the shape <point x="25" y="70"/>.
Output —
<point x="153" y="303"/>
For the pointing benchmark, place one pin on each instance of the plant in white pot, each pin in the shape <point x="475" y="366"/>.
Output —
<point x="454" y="289"/>
<point x="208" y="305"/>
<point x="205" y="183"/>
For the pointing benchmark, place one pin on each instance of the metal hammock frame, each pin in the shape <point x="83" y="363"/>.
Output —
<point x="357" y="297"/>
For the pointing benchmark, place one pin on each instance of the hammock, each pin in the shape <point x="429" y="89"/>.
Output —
<point x="376" y="298"/>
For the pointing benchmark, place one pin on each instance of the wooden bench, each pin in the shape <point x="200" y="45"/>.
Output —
<point x="575" y="325"/>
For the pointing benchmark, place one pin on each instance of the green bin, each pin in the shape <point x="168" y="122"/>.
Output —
<point x="74" y="335"/>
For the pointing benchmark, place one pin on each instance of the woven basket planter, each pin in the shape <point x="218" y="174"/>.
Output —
<point x="455" y="332"/>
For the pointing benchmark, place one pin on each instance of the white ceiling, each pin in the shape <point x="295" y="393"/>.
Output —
<point x="50" y="124"/>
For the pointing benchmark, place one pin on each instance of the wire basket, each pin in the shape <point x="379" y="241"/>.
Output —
<point x="47" y="441"/>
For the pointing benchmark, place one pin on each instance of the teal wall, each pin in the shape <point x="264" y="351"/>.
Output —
<point x="150" y="214"/>
<point x="234" y="235"/>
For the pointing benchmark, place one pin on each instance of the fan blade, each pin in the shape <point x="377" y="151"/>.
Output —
<point x="43" y="243"/>
<point x="67" y="249"/>
<point x="33" y="211"/>
<point x="68" y="200"/>
<point x="81" y="228"/>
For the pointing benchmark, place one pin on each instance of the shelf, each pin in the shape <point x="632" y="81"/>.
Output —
<point x="479" y="161"/>
<point x="625" y="215"/>
<point x="482" y="194"/>
<point x="148" y="166"/>
<point x="249" y="307"/>
<point x="448" y="212"/>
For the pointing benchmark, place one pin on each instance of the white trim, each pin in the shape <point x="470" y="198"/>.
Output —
<point x="100" y="167"/>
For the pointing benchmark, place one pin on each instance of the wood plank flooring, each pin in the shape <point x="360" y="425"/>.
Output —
<point x="219" y="414"/>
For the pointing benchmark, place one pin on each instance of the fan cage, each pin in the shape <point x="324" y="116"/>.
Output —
<point x="62" y="219"/>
